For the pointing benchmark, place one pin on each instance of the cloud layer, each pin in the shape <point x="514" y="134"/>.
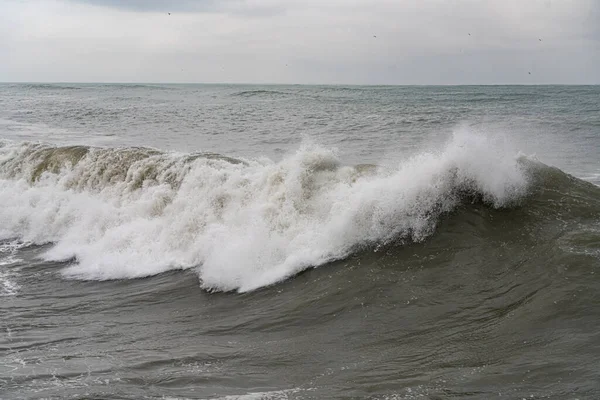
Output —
<point x="309" y="41"/>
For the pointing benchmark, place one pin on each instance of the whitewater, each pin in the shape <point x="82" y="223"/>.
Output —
<point x="241" y="224"/>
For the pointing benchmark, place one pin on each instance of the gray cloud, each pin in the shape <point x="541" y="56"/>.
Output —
<point x="159" y="5"/>
<point x="187" y="6"/>
<point x="301" y="41"/>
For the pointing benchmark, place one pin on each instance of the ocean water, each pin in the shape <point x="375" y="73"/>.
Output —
<point x="299" y="242"/>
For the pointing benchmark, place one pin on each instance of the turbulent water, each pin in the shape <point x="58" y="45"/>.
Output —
<point x="298" y="242"/>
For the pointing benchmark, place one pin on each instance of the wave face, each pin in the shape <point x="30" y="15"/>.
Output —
<point x="242" y="224"/>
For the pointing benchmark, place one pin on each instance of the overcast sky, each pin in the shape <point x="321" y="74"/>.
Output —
<point x="301" y="41"/>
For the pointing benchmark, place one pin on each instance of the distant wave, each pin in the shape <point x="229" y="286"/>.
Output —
<point x="71" y="86"/>
<point x="351" y="88"/>
<point x="241" y="224"/>
<point x="259" y="93"/>
<point x="137" y="86"/>
<point x="48" y="86"/>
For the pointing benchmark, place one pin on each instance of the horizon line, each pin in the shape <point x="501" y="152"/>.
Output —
<point x="292" y="84"/>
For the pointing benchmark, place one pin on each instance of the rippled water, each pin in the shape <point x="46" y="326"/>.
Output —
<point x="274" y="242"/>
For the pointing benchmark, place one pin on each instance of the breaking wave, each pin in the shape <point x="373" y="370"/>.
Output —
<point x="240" y="223"/>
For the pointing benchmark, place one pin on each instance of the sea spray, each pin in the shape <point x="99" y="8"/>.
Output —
<point x="241" y="224"/>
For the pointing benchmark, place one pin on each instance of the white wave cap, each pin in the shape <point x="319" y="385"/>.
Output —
<point x="242" y="224"/>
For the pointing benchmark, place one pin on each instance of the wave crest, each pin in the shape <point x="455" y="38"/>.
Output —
<point x="242" y="224"/>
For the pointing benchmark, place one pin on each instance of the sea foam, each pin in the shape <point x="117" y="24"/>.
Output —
<point x="241" y="224"/>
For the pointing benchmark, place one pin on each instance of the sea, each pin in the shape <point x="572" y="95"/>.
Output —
<point x="299" y="242"/>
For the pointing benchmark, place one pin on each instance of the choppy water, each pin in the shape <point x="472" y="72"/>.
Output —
<point x="274" y="242"/>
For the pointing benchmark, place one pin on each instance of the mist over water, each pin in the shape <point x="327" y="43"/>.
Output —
<point x="299" y="242"/>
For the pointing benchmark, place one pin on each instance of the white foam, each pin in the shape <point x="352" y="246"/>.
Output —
<point x="241" y="225"/>
<point x="8" y="277"/>
<point x="8" y="286"/>
<point x="9" y="260"/>
<point x="270" y="395"/>
<point x="593" y="178"/>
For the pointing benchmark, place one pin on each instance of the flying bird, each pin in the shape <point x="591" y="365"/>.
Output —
<point x="169" y="13"/>
<point x="540" y="40"/>
<point x="529" y="72"/>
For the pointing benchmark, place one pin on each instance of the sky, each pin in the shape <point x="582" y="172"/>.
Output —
<point x="406" y="42"/>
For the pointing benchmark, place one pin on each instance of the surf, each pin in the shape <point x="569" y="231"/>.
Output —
<point x="240" y="224"/>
